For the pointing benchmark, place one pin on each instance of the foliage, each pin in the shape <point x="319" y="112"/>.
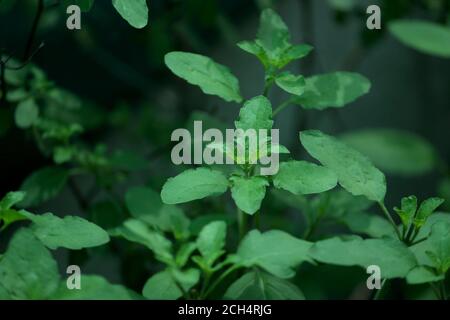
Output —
<point x="192" y="251"/>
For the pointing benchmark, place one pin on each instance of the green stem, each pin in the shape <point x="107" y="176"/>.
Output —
<point x="282" y="106"/>
<point x="221" y="278"/>
<point x="378" y="293"/>
<point x="241" y="223"/>
<point x="388" y="216"/>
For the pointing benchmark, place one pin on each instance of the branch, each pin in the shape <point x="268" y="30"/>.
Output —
<point x="32" y="35"/>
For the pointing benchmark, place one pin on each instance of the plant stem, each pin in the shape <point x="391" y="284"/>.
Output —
<point x="388" y="216"/>
<point x="241" y="223"/>
<point x="378" y="293"/>
<point x="2" y="81"/>
<point x="32" y="35"/>
<point x="221" y="278"/>
<point x="281" y="107"/>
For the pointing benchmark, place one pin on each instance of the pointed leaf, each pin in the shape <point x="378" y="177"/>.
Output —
<point x="211" y="77"/>
<point x="355" y="172"/>
<point x="248" y="193"/>
<point x="134" y="12"/>
<point x="255" y="114"/>
<point x="302" y="177"/>
<point x="194" y="184"/>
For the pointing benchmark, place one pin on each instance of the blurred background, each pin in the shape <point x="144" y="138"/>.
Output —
<point x="133" y="102"/>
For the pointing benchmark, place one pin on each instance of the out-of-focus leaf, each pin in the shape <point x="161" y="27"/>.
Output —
<point x="424" y="36"/>
<point x="394" y="151"/>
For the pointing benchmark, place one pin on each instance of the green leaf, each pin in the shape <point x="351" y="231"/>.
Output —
<point x="255" y="114"/>
<point x="193" y="184"/>
<point x="368" y="224"/>
<point x="273" y="35"/>
<point x="439" y="245"/>
<point x="94" y="288"/>
<point x="10" y="199"/>
<point x="408" y="210"/>
<point x="302" y="177"/>
<point x="144" y="204"/>
<point x="161" y="286"/>
<point x="424" y="36"/>
<point x="355" y="172"/>
<point x="392" y="256"/>
<point x="248" y="193"/>
<point x="333" y="90"/>
<point x="290" y="83"/>
<point x="184" y="253"/>
<point x="211" y="240"/>
<point x="211" y="77"/>
<point x="27" y="269"/>
<point x="423" y="274"/>
<point x="259" y="285"/>
<point x="172" y="218"/>
<point x="26" y="114"/>
<point x="426" y="208"/>
<point x="134" y="12"/>
<point x="275" y="251"/>
<point x="43" y="184"/>
<point x="71" y="232"/>
<point x="136" y="231"/>
<point x="394" y="151"/>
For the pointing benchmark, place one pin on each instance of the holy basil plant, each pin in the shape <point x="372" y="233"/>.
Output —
<point x="186" y="239"/>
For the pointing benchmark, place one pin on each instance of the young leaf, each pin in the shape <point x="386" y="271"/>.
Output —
<point x="26" y="114"/>
<point x="42" y="185"/>
<point x="259" y="285"/>
<point x="424" y="36"/>
<point x="211" y="77"/>
<point x="273" y="34"/>
<point x="395" y="151"/>
<point x="273" y="47"/>
<point x="302" y="177"/>
<point x="134" y="12"/>
<point x="290" y="83"/>
<point x="426" y="208"/>
<point x="94" y="288"/>
<point x="333" y="90"/>
<point x="27" y="269"/>
<point x="408" y="210"/>
<point x="193" y="184"/>
<point x="211" y="240"/>
<point x="136" y="231"/>
<point x="255" y="114"/>
<point x="71" y="232"/>
<point x="248" y="193"/>
<point x="10" y="199"/>
<point x="392" y="256"/>
<point x="161" y="286"/>
<point x="355" y="172"/>
<point x="275" y="251"/>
